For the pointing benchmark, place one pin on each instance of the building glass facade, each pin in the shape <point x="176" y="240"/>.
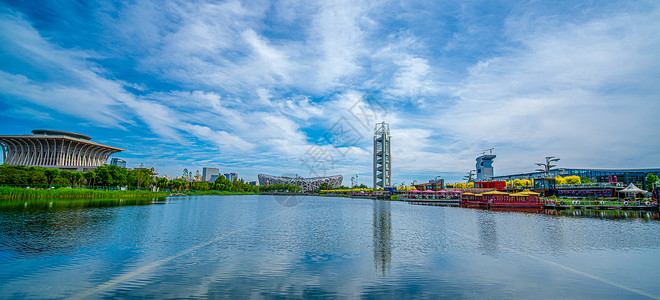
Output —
<point x="209" y="173"/>
<point x="624" y="176"/>
<point x="118" y="162"/>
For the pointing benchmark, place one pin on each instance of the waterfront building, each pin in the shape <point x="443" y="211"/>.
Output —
<point x="253" y="183"/>
<point x="433" y="185"/>
<point x="496" y="185"/>
<point x="307" y="184"/>
<point x="208" y="173"/>
<point x="382" y="164"/>
<point x="623" y="176"/>
<point x="55" y="149"/>
<point x="485" y="166"/>
<point x="118" y="162"/>
<point x="231" y="176"/>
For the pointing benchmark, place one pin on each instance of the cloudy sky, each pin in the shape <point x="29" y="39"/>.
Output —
<point x="296" y="87"/>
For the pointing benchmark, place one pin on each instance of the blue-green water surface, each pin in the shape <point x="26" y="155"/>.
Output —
<point x="309" y="247"/>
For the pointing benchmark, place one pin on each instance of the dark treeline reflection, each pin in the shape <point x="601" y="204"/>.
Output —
<point x="34" y="227"/>
<point x="65" y="203"/>
<point x="382" y="236"/>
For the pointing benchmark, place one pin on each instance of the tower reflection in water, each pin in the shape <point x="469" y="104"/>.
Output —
<point x="382" y="237"/>
<point x="488" y="243"/>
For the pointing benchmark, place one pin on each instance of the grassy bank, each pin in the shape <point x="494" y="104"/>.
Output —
<point x="17" y="192"/>
<point x="82" y="202"/>
<point x="212" y="192"/>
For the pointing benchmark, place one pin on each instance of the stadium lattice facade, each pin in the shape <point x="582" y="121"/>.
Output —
<point x="307" y="184"/>
<point x="55" y="149"/>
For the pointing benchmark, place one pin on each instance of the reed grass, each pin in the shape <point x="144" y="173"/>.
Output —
<point x="214" y="192"/>
<point x="17" y="192"/>
<point x="54" y="203"/>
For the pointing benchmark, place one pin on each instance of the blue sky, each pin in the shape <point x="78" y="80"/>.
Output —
<point x="276" y="87"/>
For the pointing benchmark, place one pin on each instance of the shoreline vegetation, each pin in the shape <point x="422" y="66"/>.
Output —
<point x="21" y="193"/>
<point x="81" y="202"/>
<point x="115" y="181"/>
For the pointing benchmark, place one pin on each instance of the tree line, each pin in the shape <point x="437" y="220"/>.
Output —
<point x="115" y="176"/>
<point x="106" y="175"/>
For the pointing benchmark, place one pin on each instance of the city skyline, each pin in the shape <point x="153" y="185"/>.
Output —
<point x="266" y="87"/>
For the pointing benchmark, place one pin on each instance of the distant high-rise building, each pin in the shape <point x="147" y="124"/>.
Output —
<point x="118" y="162"/>
<point x="231" y="176"/>
<point x="382" y="156"/>
<point x="208" y="173"/>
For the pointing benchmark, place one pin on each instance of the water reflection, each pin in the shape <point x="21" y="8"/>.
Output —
<point x="382" y="225"/>
<point x="487" y="233"/>
<point x="589" y="213"/>
<point x="251" y="247"/>
<point x="64" y="203"/>
<point x="37" y="227"/>
<point x="606" y="214"/>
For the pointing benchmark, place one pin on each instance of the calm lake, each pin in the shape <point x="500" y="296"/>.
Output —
<point x="309" y="247"/>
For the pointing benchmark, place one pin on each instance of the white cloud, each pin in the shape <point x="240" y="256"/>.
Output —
<point x="412" y="79"/>
<point x="567" y="91"/>
<point x="258" y="81"/>
<point x="338" y="26"/>
<point x="74" y="101"/>
<point x="220" y="138"/>
<point x="268" y="59"/>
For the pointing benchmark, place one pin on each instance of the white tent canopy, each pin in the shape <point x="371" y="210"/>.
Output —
<point x="632" y="189"/>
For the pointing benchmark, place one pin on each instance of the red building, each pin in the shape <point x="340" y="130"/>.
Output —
<point x="498" y="185"/>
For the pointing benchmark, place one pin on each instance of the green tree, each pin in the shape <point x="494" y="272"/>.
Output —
<point x="650" y="180"/>
<point x="61" y="180"/>
<point x="222" y="183"/>
<point x="140" y="177"/>
<point x="145" y="177"/>
<point x="37" y="175"/>
<point x="237" y="185"/>
<point x="586" y="180"/>
<point x="77" y="176"/>
<point x="67" y="174"/>
<point x="177" y="184"/>
<point x="51" y="174"/>
<point x="14" y="175"/>
<point x="161" y="182"/>
<point x="89" y="177"/>
<point x="204" y="186"/>
<point x="111" y="175"/>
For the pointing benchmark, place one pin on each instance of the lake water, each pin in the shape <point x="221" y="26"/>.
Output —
<point x="274" y="247"/>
